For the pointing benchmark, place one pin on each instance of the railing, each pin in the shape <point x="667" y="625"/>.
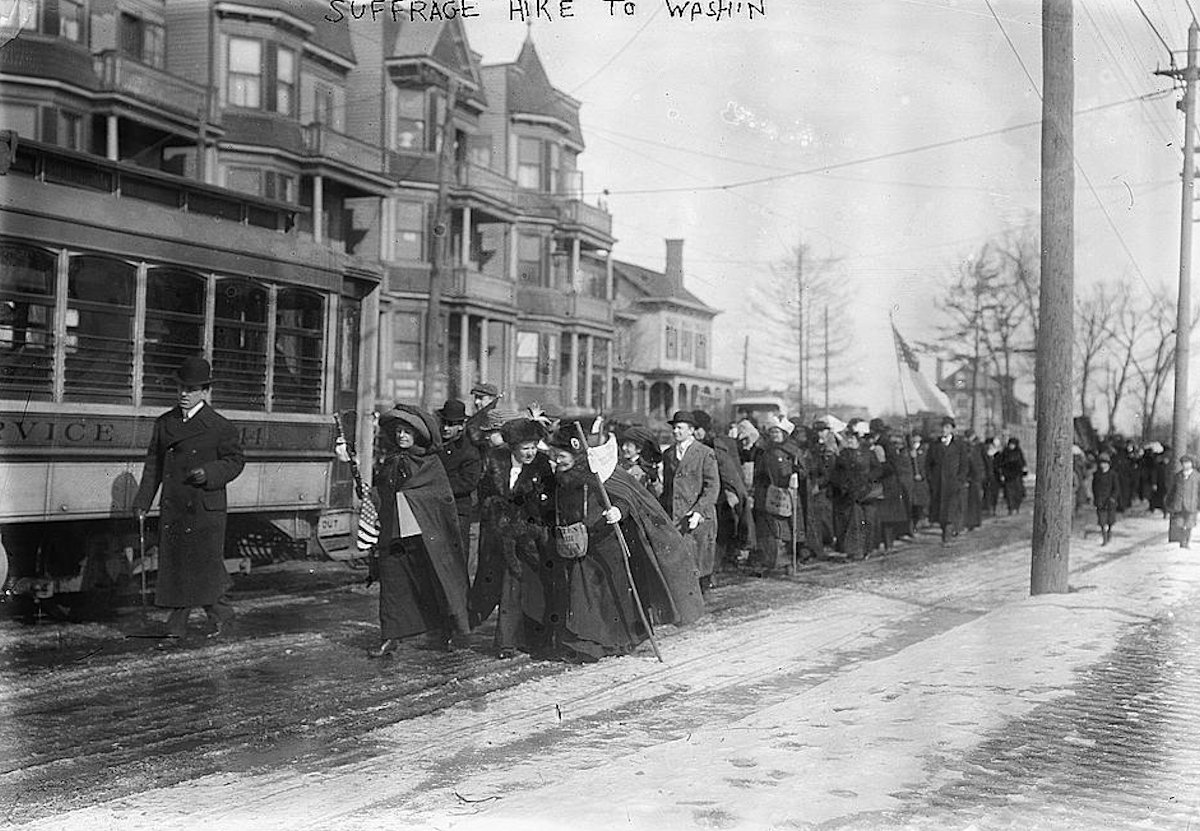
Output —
<point x="576" y="212"/>
<point x="119" y="73"/>
<point x="586" y="307"/>
<point x="487" y="181"/>
<point x="55" y="165"/>
<point x="412" y="165"/>
<point x="320" y="140"/>
<point x="475" y="285"/>
<point x="540" y="300"/>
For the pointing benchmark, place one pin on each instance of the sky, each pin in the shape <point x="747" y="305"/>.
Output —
<point x="822" y="101"/>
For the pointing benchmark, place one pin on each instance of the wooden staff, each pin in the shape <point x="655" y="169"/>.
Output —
<point x="604" y="500"/>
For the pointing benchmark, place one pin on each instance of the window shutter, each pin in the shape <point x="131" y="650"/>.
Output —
<point x="50" y="125"/>
<point x="271" y="59"/>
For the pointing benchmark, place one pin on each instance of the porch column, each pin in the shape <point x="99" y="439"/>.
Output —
<point x="589" y="370"/>
<point x="112" y="147"/>
<point x="573" y="392"/>
<point x="385" y="228"/>
<point x="318" y="207"/>
<point x="465" y="255"/>
<point x="464" y="345"/>
<point x="575" y="264"/>
<point x="512" y="253"/>
<point x="483" y="348"/>
<point x="609" y="404"/>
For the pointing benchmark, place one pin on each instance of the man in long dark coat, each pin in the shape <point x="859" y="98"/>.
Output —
<point x="461" y="459"/>
<point x="194" y="453"/>
<point x="735" y="522"/>
<point x="691" y="484"/>
<point x="948" y="469"/>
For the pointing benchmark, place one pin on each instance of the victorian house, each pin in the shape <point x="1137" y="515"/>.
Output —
<point x="664" y="343"/>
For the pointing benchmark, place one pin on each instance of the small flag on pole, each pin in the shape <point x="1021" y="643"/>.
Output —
<point x="368" y="526"/>
<point x="928" y="397"/>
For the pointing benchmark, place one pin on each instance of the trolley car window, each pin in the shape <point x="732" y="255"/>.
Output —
<point x="99" y="343"/>
<point x="299" y="351"/>
<point x="26" y="323"/>
<point x="174" y="329"/>
<point x="240" y="345"/>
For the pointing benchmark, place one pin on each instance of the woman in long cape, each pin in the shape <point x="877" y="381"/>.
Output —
<point x="422" y="560"/>
<point x="590" y="608"/>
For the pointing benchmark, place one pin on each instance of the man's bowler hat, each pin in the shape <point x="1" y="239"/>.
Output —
<point x="683" y="417"/>
<point x="453" y="412"/>
<point x="194" y="372"/>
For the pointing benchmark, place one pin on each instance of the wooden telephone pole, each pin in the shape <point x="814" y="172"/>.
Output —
<point x="1183" y="310"/>
<point x="1053" y="497"/>
<point x="435" y="333"/>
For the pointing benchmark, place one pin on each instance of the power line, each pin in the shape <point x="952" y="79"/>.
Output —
<point x="879" y="157"/>
<point x="1087" y="179"/>
<point x="1154" y="28"/>
<point x="618" y="53"/>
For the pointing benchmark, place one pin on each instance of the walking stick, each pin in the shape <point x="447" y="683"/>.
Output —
<point x="794" y="494"/>
<point x="604" y="500"/>
<point x="142" y="553"/>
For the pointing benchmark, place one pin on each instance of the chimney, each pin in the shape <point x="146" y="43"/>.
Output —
<point x="675" y="264"/>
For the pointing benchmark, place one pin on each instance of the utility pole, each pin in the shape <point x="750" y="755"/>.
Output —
<point x="1183" y="309"/>
<point x="977" y="323"/>
<point x="800" y="325"/>
<point x="1053" y="497"/>
<point x="435" y="351"/>
<point x="746" y="364"/>
<point x="827" y="359"/>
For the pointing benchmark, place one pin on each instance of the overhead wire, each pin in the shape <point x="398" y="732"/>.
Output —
<point x="1154" y="28"/>
<point x="875" y="158"/>
<point x="1082" y="172"/>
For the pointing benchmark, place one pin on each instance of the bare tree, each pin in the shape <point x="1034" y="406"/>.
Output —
<point x="781" y="323"/>
<point x="1093" y="319"/>
<point x="1126" y="335"/>
<point x="990" y="310"/>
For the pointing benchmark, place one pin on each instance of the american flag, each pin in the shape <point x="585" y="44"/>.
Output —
<point x="928" y="397"/>
<point x="905" y="351"/>
<point x="368" y="526"/>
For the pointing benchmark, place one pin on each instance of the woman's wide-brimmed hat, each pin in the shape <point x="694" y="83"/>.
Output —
<point x="416" y="419"/>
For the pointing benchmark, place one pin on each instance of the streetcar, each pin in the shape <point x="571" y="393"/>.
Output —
<point x="110" y="275"/>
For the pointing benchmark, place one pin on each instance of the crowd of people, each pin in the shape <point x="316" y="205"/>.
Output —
<point x="581" y="537"/>
<point x="1118" y="473"/>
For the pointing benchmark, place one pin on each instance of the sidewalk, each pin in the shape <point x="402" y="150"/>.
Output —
<point x="956" y="731"/>
<point x="927" y="692"/>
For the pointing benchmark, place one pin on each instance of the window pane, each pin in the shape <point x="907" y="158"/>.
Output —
<point x="153" y="45"/>
<point x="285" y="69"/>
<point x="406" y="339"/>
<point x="70" y="20"/>
<point x="245" y="56"/>
<point x="244" y="179"/>
<point x="26" y="323"/>
<point x="299" y="351"/>
<point x="529" y="151"/>
<point x="99" y="330"/>
<point x="240" y="345"/>
<point x="409" y="235"/>
<point x="174" y="329"/>
<point x="527" y="357"/>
